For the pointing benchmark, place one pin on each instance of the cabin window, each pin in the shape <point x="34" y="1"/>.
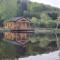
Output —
<point x="23" y="23"/>
<point x="11" y="24"/>
<point x="12" y="37"/>
<point x="17" y="37"/>
<point x="19" y="25"/>
<point x="5" y="35"/>
<point x="6" y="24"/>
<point x="23" y="36"/>
<point x="28" y="25"/>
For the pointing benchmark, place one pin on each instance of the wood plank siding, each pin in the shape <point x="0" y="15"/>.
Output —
<point x="9" y="25"/>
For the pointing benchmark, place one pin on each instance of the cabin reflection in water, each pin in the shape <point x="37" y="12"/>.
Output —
<point x="18" y="23"/>
<point x="16" y="36"/>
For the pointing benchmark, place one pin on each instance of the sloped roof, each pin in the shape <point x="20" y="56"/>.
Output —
<point x="18" y="18"/>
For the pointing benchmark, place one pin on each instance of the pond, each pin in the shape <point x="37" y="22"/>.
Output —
<point x="38" y="44"/>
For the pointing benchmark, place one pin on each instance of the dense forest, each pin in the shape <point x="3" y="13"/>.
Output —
<point x="42" y="16"/>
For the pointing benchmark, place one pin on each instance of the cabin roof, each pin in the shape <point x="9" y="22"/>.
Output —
<point x="18" y="18"/>
<point x="14" y="19"/>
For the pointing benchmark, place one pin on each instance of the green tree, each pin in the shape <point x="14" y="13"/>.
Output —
<point x="34" y="20"/>
<point x="45" y="19"/>
<point x="8" y="8"/>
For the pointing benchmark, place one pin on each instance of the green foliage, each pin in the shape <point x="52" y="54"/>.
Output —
<point x="8" y="9"/>
<point x="34" y="20"/>
<point x="7" y="50"/>
<point x="44" y="15"/>
<point x="45" y="19"/>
